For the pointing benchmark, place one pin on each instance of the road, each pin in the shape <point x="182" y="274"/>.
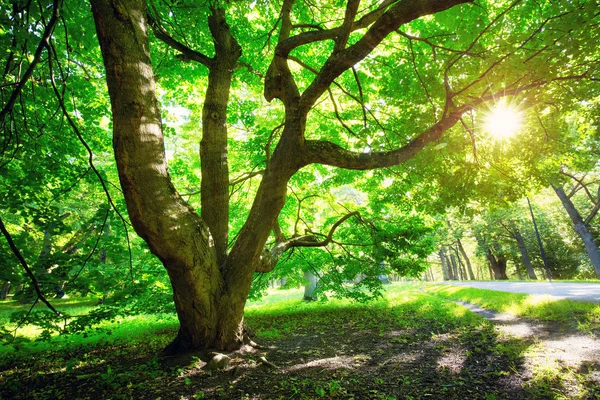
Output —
<point x="573" y="291"/>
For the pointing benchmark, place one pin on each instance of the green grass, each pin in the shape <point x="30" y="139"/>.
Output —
<point x="422" y="309"/>
<point x="583" y="316"/>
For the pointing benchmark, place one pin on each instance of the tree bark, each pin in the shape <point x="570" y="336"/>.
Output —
<point x="310" y="285"/>
<point x="539" y="240"/>
<point x="5" y="290"/>
<point x="497" y="265"/>
<point x="525" y="255"/>
<point x="466" y="258"/>
<point x="445" y="271"/>
<point x="210" y="286"/>
<point x="213" y="147"/>
<point x="455" y="271"/>
<point x="173" y="230"/>
<point x="581" y="228"/>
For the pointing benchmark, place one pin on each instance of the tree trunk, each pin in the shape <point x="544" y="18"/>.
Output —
<point x="310" y="285"/>
<point x="455" y="270"/>
<point x="525" y="255"/>
<point x="539" y="240"/>
<point x="519" y="274"/>
<point x="5" y="290"/>
<point x="210" y="316"/>
<point x="466" y="258"/>
<point x="461" y="265"/>
<point x="497" y="265"/>
<point x="213" y="147"/>
<point x="210" y="287"/>
<point x="581" y="228"/>
<point x="445" y="271"/>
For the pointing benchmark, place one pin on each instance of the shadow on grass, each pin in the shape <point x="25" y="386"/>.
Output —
<point x="409" y="346"/>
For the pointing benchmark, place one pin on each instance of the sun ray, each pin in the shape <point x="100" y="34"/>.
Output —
<point x="503" y="120"/>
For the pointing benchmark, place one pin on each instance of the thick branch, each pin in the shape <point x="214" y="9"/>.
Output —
<point x="328" y="153"/>
<point x="400" y="13"/>
<point x="286" y="46"/>
<point x="279" y="82"/>
<point x="213" y="147"/>
<point x="346" y="28"/>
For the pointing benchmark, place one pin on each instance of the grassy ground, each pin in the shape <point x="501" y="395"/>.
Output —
<point x="583" y="316"/>
<point x="407" y="345"/>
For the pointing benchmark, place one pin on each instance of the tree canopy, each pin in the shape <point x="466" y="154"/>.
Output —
<point x="329" y="128"/>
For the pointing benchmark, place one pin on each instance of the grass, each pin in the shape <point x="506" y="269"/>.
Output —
<point x="120" y="357"/>
<point x="583" y="316"/>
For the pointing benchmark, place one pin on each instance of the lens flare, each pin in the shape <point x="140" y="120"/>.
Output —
<point x="502" y="120"/>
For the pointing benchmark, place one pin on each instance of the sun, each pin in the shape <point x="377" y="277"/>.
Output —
<point x="502" y="120"/>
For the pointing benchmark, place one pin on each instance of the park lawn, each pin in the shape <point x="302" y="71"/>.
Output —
<point x="580" y="315"/>
<point x="409" y="344"/>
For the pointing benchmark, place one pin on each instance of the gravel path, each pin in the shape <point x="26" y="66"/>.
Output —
<point x="550" y="345"/>
<point x="573" y="291"/>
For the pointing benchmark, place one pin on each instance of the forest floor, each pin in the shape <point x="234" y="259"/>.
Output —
<point x="409" y="345"/>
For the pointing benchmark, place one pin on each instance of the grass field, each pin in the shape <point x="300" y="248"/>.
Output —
<point x="412" y="343"/>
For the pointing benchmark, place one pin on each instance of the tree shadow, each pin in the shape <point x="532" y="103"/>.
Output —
<point x="422" y="348"/>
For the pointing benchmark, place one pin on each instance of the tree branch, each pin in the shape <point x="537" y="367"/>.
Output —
<point x="328" y="153"/>
<point x="285" y="47"/>
<point x="187" y="54"/>
<point x="36" y="59"/>
<point x="346" y="28"/>
<point x="400" y="13"/>
<point x="28" y="271"/>
<point x="269" y="258"/>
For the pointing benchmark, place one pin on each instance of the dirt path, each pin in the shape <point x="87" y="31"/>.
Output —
<point x="552" y="346"/>
<point x="589" y="292"/>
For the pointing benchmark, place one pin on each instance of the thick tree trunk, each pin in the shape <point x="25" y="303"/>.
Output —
<point x="525" y="255"/>
<point x="581" y="228"/>
<point x="213" y="147"/>
<point x="466" y="258"/>
<point x="210" y="287"/>
<point x="497" y="265"/>
<point x="173" y="230"/>
<point x="310" y="285"/>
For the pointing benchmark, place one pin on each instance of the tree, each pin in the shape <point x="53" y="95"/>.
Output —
<point x="211" y="285"/>
<point x="346" y="70"/>
<point x="581" y="225"/>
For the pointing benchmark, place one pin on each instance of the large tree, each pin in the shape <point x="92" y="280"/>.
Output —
<point x="210" y="283"/>
<point x="360" y="85"/>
